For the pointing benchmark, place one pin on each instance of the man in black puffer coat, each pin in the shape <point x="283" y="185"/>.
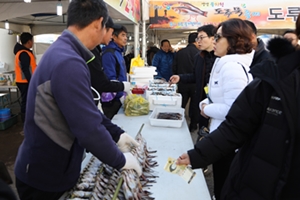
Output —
<point x="258" y="45"/>
<point x="203" y="63"/>
<point x="183" y="63"/>
<point x="264" y="123"/>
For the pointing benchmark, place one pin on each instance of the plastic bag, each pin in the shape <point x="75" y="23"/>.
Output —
<point x="136" y="105"/>
<point x="136" y="62"/>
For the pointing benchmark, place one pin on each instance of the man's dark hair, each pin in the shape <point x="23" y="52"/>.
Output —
<point x="81" y="13"/>
<point x="252" y="26"/>
<point x="289" y="31"/>
<point x="165" y="40"/>
<point x="192" y="37"/>
<point x="209" y="29"/>
<point x="25" y="37"/>
<point x="118" y="29"/>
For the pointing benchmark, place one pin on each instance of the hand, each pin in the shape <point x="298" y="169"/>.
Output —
<point x="174" y="79"/>
<point x="132" y="163"/>
<point x="126" y="142"/>
<point x="202" y="110"/>
<point x="184" y="159"/>
<point x="127" y="87"/>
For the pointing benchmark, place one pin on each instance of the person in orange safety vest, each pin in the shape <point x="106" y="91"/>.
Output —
<point x="25" y="65"/>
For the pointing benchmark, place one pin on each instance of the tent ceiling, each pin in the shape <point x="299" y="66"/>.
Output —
<point x="21" y="15"/>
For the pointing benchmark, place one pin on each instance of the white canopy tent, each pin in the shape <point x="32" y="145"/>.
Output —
<point x="40" y="15"/>
<point x="37" y="17"/>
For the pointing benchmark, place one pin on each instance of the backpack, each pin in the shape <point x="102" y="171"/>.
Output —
<point x="111" y="50"/>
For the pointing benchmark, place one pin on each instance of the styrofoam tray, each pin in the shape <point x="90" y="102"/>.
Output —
<point x="166" y="122"/>
<point x="173" y="101"/>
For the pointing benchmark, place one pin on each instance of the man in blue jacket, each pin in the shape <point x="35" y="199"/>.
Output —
<point x="62" y="119"/>
<point x="163" y="61"/>
<point x="115" y="69"/>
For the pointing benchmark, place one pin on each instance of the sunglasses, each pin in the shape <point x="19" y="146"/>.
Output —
<point x="200" y="38"/>
<point x="217" y="37"/>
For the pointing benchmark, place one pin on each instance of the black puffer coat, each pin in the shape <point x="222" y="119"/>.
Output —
<point x="263" y="122"/>
<point x="202" y="67"/>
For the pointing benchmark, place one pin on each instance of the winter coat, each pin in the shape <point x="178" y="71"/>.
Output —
<point x="260" y="53"/>
<point x="264" y="123"/>
<point x="62" y="120"/>
<point x="25" y="63"/>
<point x="202" y="68"/>
<point x="184" y="60"/>
<point x="99" y="79"/>
<point x="163" y="63"/>
<point x="109" y="63"/>
<point x="229" y="76"/>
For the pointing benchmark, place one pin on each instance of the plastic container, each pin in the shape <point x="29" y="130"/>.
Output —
<point x="4" y="114"/>
<point x="138" y="91"/>
<point x="9" y="122"/>
<point x="164" y="101"/>
<point x="166" y="122"/>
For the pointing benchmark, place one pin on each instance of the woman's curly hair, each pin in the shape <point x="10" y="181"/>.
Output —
<point x="238" y="34"/>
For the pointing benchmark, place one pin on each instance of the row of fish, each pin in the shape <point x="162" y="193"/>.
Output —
<point x="99" y="181"/>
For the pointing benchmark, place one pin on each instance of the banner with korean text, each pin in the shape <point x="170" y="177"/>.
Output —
<point x="192" y="14"/>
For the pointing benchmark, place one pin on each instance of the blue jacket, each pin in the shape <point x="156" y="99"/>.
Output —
<point x="109" y="64"/>
<point x="163" y="62"/>
<point x="62" y="119"/>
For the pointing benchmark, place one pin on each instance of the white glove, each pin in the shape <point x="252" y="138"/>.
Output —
<point x="132" y="163"/>
<point x="126" y="142"/>
<point x="127" y="87"/>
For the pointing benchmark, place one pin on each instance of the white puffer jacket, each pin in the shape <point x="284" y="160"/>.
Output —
<point x="227" y="80"/>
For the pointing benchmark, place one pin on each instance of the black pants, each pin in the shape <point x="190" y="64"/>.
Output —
<point x="27" y="192"/>
<point x="220" y="172"/>
<point x="111" y="108"/>
<point x="187" y="92"/>
<point x="23" y="87"/>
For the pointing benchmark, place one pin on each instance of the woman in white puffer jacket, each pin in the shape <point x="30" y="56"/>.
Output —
<point x="229" y="76"/>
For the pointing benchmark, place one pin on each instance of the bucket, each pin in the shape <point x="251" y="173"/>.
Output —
<point x="4" y="114"/>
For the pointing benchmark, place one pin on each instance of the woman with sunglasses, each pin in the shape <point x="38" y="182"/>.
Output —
<point x="229" y="76"/>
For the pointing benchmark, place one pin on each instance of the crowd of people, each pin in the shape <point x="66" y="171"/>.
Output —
<point x="257" y="131"/>
<point x="247" y="96"/>
<point x="240" y="88"/>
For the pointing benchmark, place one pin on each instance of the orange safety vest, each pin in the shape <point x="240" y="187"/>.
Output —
<point x="20" y="77"/>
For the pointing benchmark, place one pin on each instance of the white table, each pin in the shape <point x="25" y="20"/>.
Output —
<point x="10" y="89"/>
<point x="169" y="142"/>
